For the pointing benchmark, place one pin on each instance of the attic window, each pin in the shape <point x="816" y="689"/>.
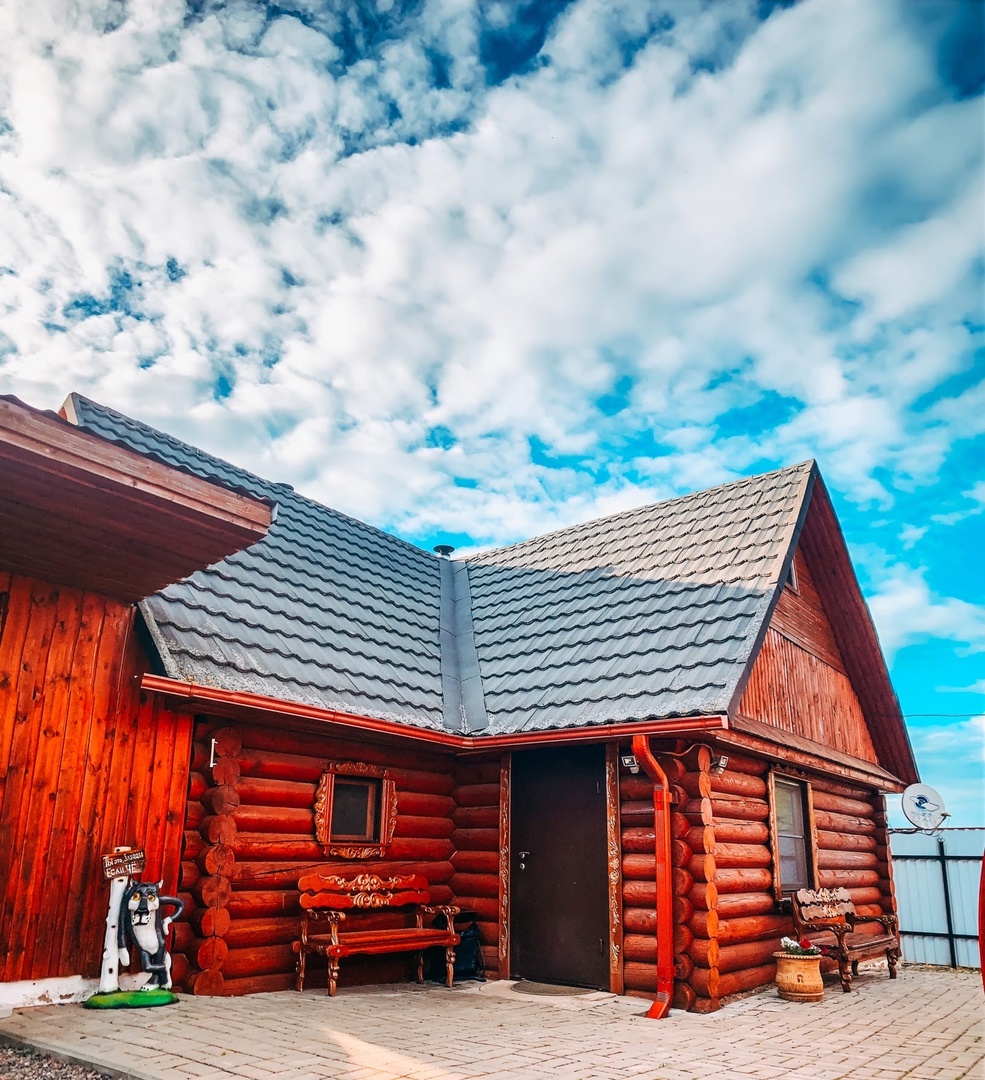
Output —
<point x="355" y="810"/>
<point x="791" y="582"/>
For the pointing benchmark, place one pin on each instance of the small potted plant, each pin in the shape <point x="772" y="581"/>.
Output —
<point x="798" y="970"/>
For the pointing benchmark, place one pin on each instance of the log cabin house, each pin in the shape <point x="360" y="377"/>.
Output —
<point x="616" y="747"/>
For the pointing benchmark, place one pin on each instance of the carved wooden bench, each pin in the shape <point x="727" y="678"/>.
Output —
<point x="325" y="901"/>
<point x="832" y="910"/>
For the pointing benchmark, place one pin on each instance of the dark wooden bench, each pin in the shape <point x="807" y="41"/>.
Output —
<point x="832" y="910"/>
<point x="326" y="900"/>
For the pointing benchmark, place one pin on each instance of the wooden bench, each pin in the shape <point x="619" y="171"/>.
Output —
<point x="327" y="899"/>
<point x="832" y="910"/>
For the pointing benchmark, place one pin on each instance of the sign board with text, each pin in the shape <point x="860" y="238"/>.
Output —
<point x="124" y="863"/>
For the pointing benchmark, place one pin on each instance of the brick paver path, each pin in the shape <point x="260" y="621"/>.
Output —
<point x="927" y="1025"/>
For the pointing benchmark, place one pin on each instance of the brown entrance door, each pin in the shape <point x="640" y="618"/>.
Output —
<point x="559" y="895"/>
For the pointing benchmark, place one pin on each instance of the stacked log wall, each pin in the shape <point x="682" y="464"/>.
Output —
<point x="476" y="882"/>
<point x="639" y="890"/>
<point x="87" y="767"/>
<point x="852" y="846"/>
<point x="695" y="888"/>
<point x="255" y="819"/>
<point x="749" y="926"/>
<point x="738" y="924"/>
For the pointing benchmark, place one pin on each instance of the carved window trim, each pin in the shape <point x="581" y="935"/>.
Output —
<point x="810" y="831"/>
<point x="324" y="798"/>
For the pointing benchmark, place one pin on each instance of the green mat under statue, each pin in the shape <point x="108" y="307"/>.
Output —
<point x="141" y="924"/>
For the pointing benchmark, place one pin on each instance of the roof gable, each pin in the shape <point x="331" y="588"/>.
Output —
<point x="855" y="634"/>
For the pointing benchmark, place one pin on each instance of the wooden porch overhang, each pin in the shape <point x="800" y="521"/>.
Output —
<point x="78" y="510"/>
<point x="232" y="703"/>
<point x="755" y="737"/>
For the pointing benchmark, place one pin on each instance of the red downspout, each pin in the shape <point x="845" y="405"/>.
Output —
<point x="665" y="893"/>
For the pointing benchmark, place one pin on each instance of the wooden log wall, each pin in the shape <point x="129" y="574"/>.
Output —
<point x="739" y="925"/>
<point x="476" y="883"/>
<point x="249" y="834"/>
<point x="852" y="846"/>
<point x="639" y="891"/>
<point x="727" y="919"/>
<point x="87" y="767"/>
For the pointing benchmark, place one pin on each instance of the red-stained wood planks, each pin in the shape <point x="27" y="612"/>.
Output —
<point x="83" y="772"/>
<point x="793" y="690"/>
<point x="799" y="615"/>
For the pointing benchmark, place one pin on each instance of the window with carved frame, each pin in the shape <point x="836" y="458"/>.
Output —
<point x="355" y="810"/>
<point x="793" y="835"/>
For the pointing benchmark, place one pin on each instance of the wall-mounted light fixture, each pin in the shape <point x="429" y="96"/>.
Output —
<point x="718" y="765"/>
<point x="628" y="761"/>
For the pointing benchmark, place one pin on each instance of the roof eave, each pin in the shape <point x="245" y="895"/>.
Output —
<point x="80" y="511"/>
<point x="196" y="696"/>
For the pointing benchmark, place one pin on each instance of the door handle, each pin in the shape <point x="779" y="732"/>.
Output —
<point x="524" y="855"/>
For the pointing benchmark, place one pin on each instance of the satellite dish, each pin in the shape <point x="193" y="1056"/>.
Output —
<point x="924" y="807"/>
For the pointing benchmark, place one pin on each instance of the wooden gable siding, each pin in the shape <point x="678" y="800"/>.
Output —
<point x="83" y="769"/>
<point x="799" y="616"/>
<point x="798" y="682"/>
<point x="250" y="833"/>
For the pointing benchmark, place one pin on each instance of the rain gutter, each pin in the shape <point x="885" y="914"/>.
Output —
<point x="665" y="895"/>
<point x="196" y="695"/>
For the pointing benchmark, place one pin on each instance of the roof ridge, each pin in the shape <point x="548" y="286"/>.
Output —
<point x="803" y="466"/>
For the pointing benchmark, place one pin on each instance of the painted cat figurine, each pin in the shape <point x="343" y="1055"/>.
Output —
<point x="142" y="923"/>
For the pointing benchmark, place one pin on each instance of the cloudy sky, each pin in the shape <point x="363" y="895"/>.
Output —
<point x="472" y="270"/>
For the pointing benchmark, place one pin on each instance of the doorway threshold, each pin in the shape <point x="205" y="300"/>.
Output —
<point x="539" y="989"/>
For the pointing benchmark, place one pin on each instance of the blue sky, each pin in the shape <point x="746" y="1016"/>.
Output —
<point x="472" y="271"/>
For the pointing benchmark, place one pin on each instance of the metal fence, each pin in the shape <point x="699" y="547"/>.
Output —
<point x="937" y="881"/>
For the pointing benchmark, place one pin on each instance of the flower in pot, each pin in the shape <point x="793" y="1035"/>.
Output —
<point x="798" y="970"/>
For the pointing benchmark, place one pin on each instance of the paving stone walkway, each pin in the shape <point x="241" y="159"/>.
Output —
<point x="927" y="1025"/>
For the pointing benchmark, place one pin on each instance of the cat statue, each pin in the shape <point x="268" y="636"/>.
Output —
<point x="142" y="924"/>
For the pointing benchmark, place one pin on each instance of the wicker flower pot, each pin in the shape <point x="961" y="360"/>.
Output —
<point x="798" y="977"/>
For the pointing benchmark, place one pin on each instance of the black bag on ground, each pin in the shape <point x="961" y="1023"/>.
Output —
<point x="468" y="958"/>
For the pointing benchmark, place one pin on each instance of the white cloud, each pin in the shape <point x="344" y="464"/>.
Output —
<point x="912" y="534"/>
<point x="977" y="687"/>
<point x="965" y="737"/>
<point x="976" y="494"/>
<point x="951" y="758"/>
<point x="673" y="222"/>
<point x="905" y="610"/>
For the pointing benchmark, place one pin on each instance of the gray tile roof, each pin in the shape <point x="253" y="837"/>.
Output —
<point x="650" y="613"/>
<point x="325" y="611"/>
